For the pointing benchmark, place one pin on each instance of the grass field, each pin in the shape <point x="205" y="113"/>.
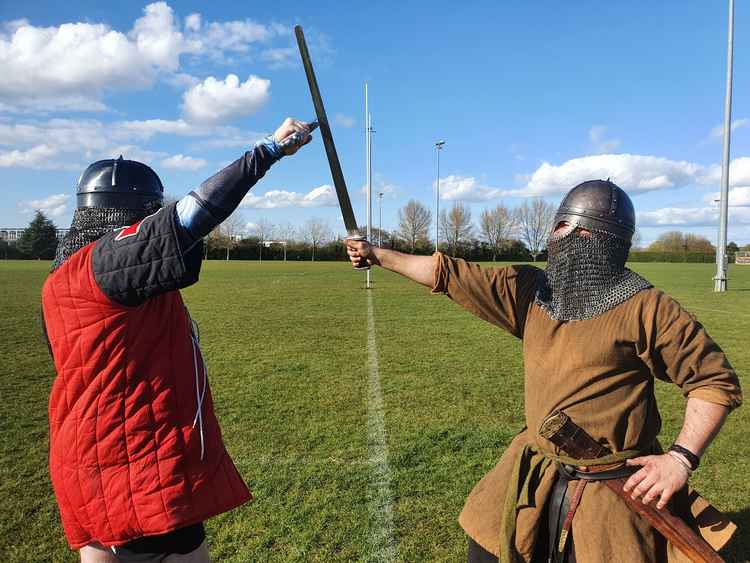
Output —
<point x="287" y="348"/>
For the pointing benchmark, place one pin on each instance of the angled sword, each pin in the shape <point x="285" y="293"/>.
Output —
<point x="325" y="132"/>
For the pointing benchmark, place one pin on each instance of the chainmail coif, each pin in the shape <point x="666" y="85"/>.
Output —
<point x="92" y="223"/>
<point x="586" y="276"/>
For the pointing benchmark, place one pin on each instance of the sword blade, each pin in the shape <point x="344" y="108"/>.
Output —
<point x="325" y="132"/>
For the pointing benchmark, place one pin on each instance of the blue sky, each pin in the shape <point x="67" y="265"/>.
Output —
<point x="532" y="98"/>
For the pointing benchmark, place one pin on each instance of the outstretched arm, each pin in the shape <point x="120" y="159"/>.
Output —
<point x="215" y="199"/>
<point x="162" y="252"/>
<point x="421" y="269"/>
<point x="662" y="475"/>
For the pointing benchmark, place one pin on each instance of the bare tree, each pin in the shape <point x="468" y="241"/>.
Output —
<point x="286" y="232"/>
<point x="316" y="231"/>
<point x="496" y="226"/>
<point x="534" y="224"/>
<point x="263" y="230"/>
<point x="455" y="225"/>
<point x="230" y="231"/>
<point x="414" y="221"/>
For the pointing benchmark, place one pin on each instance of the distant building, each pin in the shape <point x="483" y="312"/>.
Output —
<point x="12" y="234"/>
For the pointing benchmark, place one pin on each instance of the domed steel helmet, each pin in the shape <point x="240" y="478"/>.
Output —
<point x="599" y="205"/>
<point x="119" y="184"/>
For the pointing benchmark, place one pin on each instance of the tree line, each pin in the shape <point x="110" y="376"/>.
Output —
<point x="500" y="233"/>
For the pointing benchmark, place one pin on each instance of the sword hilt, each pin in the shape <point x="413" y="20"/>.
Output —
<point x="297" y="139"/>
<point x="362" y="264"/>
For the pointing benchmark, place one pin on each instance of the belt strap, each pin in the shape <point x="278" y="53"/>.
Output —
<point x="572" y="473"/>
<point x="574" y="502"/>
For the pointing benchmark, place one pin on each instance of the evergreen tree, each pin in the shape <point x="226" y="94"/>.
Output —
<point x="39" y="239"/>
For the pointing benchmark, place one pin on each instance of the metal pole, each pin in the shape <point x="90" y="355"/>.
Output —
<point x="380" y="222"/>
<point x="368" y="168"/>
<point x="438" y="148"/>
<point x="720" y="280"/>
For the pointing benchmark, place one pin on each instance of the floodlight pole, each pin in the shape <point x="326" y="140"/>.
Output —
<point x="438" y="147"/>
<point x="720" y="279"/>
<point x="380" y="222"/>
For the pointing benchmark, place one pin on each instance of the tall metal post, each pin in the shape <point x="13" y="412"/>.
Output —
<point x="380" y="221"/>
<point x="720" y="279"/>
<point x="368" y="169"/>
<point x="438" y="147"/>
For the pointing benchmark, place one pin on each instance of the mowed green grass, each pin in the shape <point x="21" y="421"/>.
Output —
<point x="286" y="346"/>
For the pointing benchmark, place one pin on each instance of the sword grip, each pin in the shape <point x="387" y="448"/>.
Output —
<point x="362" y="264"/>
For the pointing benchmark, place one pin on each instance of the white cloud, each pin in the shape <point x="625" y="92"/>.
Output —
<point x="182" y="162"/>
<point x="718" y="131"/>
<point x="690" y="217"/>
<point x="602" y="145"/>
<point x="193" y="22"/>
<point x="215" y="101"/>
<point x="74" y="142"/>
<point x="158" y="39"/>
<point x="230" y="137"/>
<point x="35" y="157"/>
<point x="739" y="172"/>
<point x="343" y="120"/>
<point x="131" y="152"/>
<point x="280" y="57"/>
<point x="53" y="206"/>
<point x="379" y="184"/>
<point x="234" y="35"/>
<point x="70" y="67"/>
<point x="322" y="196"/>
<point x="182" y="80"/>
<point x="738" y="197"/>
<point x="145" y="129"/>
<point x="466" y="188"/>
<point x="68" y="63"/>
<point x="634" y="173"/>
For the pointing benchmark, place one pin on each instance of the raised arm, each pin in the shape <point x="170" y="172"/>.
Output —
<point x="421" y="269"/>
<point x="163" y="251"/>
<point x="201" y="210"/>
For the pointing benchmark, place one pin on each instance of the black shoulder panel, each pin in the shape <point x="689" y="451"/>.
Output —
<point x="143" y="260"/>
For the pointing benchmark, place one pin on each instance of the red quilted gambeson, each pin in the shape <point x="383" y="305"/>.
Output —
<point x="125" y="453"/>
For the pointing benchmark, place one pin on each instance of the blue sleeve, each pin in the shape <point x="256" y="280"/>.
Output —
<point x="200" y="211"/>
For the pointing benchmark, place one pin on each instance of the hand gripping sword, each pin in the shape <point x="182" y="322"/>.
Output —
<point x="333" y="158"/>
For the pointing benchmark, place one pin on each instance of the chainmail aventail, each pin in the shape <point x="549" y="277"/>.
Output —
<point x="92" y="223"/>
<point x="586" y="276"/>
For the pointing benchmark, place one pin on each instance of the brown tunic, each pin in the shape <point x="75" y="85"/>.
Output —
<point x="600" y="372"/>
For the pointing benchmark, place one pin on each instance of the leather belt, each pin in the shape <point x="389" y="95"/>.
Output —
<point x="561" y="504"/>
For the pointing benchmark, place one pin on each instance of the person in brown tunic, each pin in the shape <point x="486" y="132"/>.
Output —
<point x="595" y="335"/>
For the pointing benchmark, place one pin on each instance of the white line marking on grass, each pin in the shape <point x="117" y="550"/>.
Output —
<point x="732" y="312"/>
<point x="380" y="501"/>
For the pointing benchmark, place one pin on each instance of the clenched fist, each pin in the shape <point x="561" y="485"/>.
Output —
<point x="361" y="253"/>
<point x="290" y="127"/>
